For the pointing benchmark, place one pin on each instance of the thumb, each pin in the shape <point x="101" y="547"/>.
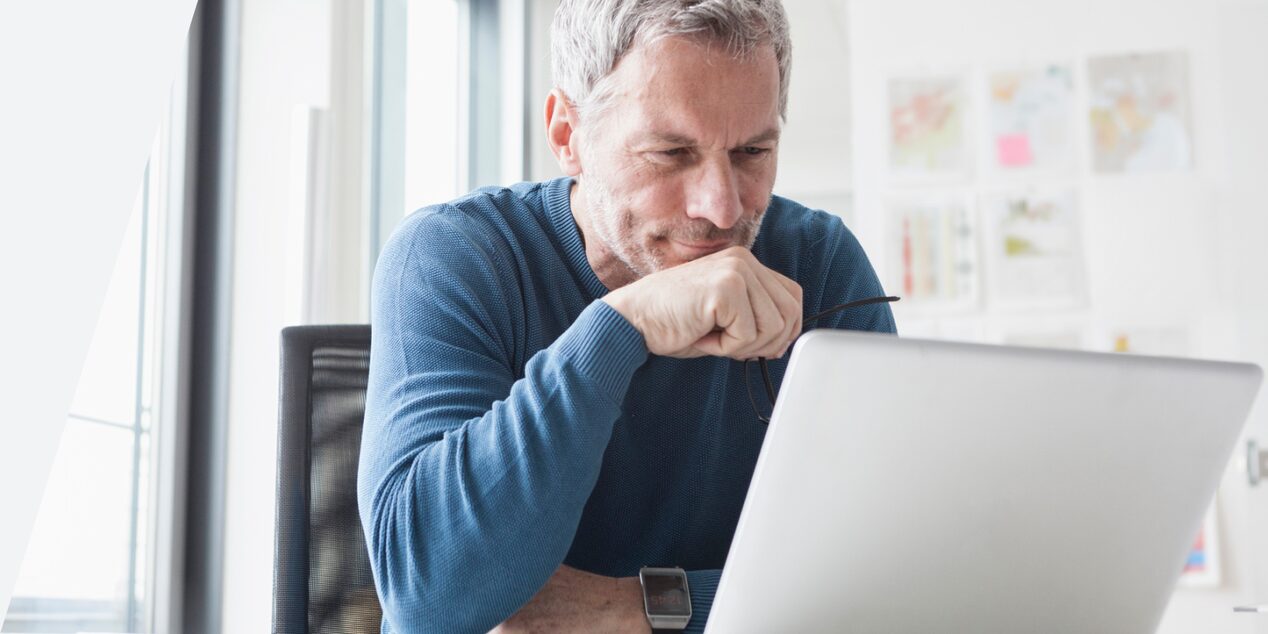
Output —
<point x="710" y="345"/>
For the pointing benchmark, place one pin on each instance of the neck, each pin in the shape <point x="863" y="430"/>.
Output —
<point x="611" y="270"/>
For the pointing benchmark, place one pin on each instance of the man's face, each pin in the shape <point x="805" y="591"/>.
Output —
<point x="682" y="162"/>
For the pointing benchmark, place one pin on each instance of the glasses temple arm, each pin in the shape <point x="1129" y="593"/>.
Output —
<point x="854" y="304"/>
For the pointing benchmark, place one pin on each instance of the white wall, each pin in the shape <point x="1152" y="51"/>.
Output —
<point x="1165" y="251"/>
<point x="541" y="163"/>
<point x="814" y="151"/>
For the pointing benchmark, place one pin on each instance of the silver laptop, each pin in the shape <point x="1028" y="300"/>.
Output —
<point x="921" y="486"/>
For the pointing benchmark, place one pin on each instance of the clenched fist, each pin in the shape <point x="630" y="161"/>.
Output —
<point x="726" y="304"/>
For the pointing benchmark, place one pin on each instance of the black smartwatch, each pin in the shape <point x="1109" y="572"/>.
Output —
<point x="666" y="597"/>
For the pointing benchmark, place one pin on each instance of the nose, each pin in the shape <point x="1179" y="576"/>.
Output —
<point x="715" y="195"/>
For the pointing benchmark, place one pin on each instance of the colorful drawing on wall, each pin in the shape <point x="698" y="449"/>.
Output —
<point x="1030" y="118"/>
<point x="927" y="128"/>
<point x="1140" y="112"/>
<point x="1202" y="567"/>
<point x="932" y="250"/>
<point x="1034" y="253"/>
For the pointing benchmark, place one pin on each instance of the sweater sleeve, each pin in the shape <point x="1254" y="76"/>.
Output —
<point x="703" y="585"/>
<point x="471" y="482"/>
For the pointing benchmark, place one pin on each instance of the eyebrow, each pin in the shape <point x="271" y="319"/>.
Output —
<point x="771" y="134"/>
<point x="674" y="138"/>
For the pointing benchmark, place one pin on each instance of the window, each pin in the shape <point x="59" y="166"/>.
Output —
<point x="431" y="103"/>
<point x="415" y="121"/>
<point x="91" y="561"/>
<point x="448" y="104"/>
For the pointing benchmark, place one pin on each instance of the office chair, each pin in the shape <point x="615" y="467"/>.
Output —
<point x="321" y="574"/>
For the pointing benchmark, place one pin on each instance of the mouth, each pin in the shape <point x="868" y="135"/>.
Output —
<point x="693" y="250"/>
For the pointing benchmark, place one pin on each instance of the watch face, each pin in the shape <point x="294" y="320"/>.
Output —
<point x="666" y="595"/>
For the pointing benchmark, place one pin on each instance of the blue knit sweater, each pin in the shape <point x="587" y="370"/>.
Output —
<point x="514" y="423"/>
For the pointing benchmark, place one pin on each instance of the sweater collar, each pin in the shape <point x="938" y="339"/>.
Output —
<point x="558" y="204"/>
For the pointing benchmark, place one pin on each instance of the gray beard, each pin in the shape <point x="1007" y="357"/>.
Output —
<point x="615" y="226"/>
<point x="617" y="236"/>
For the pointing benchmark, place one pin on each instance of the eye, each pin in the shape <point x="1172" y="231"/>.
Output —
<point x="753" y="150"/>
<point x="675" y="156"/>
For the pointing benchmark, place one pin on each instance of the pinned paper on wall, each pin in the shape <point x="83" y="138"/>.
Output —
<point x="1202" y="566"/>
<point x="1139" y="112"/>
<point x="1030" y="118"/>
<point x="933" y="251"/>
<point x="1034" y="252"/>
<point x="927" y="128"/>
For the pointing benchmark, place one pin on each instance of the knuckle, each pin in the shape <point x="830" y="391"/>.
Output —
<point x="730" y="279"/>
<point x="779" y="324"/>
<point x="712" y="304"/>
<point x="736" y="257"/>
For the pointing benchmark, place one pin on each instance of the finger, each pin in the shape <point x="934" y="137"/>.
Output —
<point x="774" y="298"/>
<point x="732" y="313"/>
<point x="797" y="308"/>
<point x="708" y="345"/>
<point x="767" y="315"/>
<point x="787" y="300"/>
<point x="790" y="304"/>
<point x="790" y="284"/>
<point x="768" y="289"/>
<point x="773" y="332"/>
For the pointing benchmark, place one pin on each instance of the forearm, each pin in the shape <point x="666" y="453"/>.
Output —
<point x="578" y="601"/>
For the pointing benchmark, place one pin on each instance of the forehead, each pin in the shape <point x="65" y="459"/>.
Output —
<point x="695" y="89"/>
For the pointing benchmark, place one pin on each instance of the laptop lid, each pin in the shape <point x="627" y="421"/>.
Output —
<point x="923" y="486"/>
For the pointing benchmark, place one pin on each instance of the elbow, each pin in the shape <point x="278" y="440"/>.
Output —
<point x="427" y="582"/>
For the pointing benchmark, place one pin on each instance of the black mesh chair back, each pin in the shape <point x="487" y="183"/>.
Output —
<point x="321" y="575"/>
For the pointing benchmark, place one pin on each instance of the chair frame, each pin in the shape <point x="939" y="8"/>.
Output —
<point x="291" y="556"/>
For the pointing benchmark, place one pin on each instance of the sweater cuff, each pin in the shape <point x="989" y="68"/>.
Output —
<point x="604" y="346"/>
<point x="703" y="585"/>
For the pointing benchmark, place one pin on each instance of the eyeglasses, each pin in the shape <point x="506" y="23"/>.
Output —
<point x="761" y="361"/>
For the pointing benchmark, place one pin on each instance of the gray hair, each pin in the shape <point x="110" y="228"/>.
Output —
<point x="589" y="37"/>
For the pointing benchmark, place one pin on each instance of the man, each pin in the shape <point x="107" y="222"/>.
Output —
<point x="556" y="393"/>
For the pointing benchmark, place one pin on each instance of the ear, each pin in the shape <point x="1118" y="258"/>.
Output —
<point x="561" y="122"/>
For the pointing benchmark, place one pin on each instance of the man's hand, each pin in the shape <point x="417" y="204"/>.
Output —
<point x="577" y="601"/>
<point x="726" y="304"/>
